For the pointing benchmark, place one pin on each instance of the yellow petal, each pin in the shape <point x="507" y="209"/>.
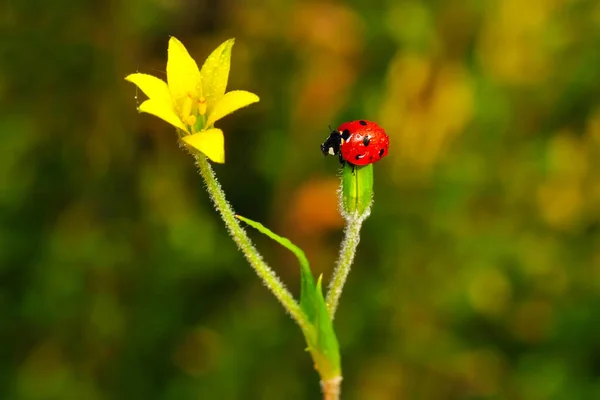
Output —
<point x="183" y="75"/>
<point x="153" y="87"/>
<point x="231" y="102"/>
<point x="215" y="73"/>
<point x="210" y="142"/>
<point x="162" y="111"/>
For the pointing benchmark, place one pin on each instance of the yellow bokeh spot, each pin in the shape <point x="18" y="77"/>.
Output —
<point x="489" y="292"/>
<point x="426" y="107"/>
<point x="561" y="197"/>
<point x="514" y="42"/>
<point x="560" y="201"/>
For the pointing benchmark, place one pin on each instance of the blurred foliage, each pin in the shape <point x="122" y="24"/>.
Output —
<point x="478" y="273"/>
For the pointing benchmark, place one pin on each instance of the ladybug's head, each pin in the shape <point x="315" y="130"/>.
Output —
<point x="331" y="146"/>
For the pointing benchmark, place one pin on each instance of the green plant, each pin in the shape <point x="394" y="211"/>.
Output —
<point x="194" y="99"/>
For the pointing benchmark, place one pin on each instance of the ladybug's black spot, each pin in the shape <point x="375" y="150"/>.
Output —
<point x="346" y="134"/>
<point x="367" y="140"/>
<point x="381" y="152"/>
<point x="358" y="157"/>
<point x="370" y="158"/>
<point x="363" y="123"/>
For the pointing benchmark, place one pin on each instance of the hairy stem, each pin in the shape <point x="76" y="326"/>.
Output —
<point x="331" y="388"/>
<point x="245" y="244"/>
<point x="347" y="252"/>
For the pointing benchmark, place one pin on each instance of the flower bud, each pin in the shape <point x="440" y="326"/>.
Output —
<point x="356" y="191"/>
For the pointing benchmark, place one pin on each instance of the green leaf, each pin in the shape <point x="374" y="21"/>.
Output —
<point x="320" y="336"/>
<point x="324" y="347"/>
<point x="308" y="292"/>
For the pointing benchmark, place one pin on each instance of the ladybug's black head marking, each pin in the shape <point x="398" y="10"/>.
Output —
<point x="345" y="134"/>
<point x="331" y="146"/>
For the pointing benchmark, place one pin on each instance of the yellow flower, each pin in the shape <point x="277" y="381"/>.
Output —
<point x="192" y="100"/>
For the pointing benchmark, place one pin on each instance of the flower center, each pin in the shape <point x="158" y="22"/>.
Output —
<point x="193" y="112"/>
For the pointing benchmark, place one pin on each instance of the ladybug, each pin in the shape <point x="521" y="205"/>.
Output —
<point x="357" y="143"/>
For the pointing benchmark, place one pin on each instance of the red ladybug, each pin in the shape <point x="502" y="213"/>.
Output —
<point x="358" y="143"/>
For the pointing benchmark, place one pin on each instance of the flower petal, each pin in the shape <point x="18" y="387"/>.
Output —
<point x="162" y="111"/>
<point x="231" y="102"/>
<point x="183" y="75"/>
<point x="215" y="73"/>
<point x="210" y="142"/>
<point x="152" y="86"/>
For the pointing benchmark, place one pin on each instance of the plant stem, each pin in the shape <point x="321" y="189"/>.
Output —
<point x="331" y="388"/>
<point x="347" y="252"/>
<point x="245" y="244"/>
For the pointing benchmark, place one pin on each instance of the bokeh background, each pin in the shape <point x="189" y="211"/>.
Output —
<point x="478" y="272"/>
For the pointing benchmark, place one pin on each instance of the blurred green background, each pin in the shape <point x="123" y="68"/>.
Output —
<point x="478" y="272"/>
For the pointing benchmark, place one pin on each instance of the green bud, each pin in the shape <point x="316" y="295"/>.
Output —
<point x="357" y="191"/>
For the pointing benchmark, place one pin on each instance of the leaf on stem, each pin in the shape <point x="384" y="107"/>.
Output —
<point x="308" y="300"/>
<point x="320" y="336"/>
<point x="325" y="350"/>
